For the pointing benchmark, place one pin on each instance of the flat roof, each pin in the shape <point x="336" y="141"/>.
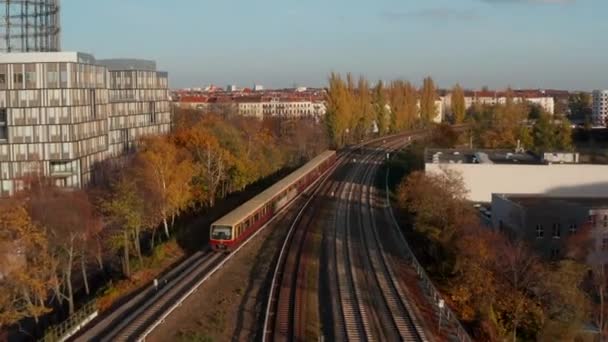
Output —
<point x="532" y="200"/>
<point x="124" y="64"/>
<point x="466" y="156"/>
<point x="47" y="57"/>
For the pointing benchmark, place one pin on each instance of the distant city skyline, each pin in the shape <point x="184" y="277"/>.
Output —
<point x="494" y="43"/>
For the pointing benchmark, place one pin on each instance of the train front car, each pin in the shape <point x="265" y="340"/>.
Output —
<point x="222" y="238"/>
<point x="234" y="228"/>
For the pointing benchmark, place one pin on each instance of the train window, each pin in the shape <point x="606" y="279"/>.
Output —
<point x="221" y="233"/>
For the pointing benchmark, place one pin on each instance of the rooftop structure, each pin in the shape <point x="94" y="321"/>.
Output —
<point x="487" y="172"/>
<point x="29" y="26"/>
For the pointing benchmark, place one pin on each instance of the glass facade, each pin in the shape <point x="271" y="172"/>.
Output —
<point x="63" y="118"/>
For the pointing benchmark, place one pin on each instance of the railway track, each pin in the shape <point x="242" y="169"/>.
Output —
<point x="125" y="318"/>
<point x="365" y="296"/>
<point x="132" y="327"/>
<point x="142" y="313"/>
<point x="380" y="311"/>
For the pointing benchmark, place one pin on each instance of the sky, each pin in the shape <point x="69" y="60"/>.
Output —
<point x="281" y="43"/>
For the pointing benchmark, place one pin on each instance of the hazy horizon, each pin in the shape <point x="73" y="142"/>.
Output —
<point x="495" y="43"/>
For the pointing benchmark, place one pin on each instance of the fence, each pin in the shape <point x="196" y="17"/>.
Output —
<point x="72" y="325"/>
<point x="439" y="304"/>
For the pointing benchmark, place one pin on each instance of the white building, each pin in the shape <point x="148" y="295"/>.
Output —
<point x="258" y="87"/>
<point x="502" y="172"/>
<point x="600" y="107"/>
<point x="491" y="98"/>
<point x="231" y="88"/>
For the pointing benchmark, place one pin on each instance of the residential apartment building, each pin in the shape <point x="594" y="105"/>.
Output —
<point x="267" y="104"/>
<point x="59" y="113"/>
<point x="600" y="107"/>
<point x="547" y="221"/>
<point x="492" y="98"/>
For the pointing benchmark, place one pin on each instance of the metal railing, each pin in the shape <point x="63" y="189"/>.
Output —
<point x="445" y="313"/>
<point x="72" y="325"/>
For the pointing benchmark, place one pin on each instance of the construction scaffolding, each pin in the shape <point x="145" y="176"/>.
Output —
<point x="29" y="26"/>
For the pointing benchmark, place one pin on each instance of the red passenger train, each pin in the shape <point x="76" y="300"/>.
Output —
<point x="230" y="231"/>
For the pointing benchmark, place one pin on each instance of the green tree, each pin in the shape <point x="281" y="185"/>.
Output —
<point x="544" y="134"/>
<point x="580" y="104"/>
<point x="458" y="104"/>
<point x="563" y="135"/>
<point x="428" y="96"/>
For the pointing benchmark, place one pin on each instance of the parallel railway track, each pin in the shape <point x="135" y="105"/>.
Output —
<point x="141" y="314"/>
<point x="364" y="293"/>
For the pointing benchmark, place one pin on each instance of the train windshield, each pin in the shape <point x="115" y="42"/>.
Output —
<point x="221" y="233"/>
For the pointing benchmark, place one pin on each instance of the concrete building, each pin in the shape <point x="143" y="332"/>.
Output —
<point x="487" y="172"/>
<point x="139" y="102"/>
<point x="62" y="112"/>
<point x="600" y="107"/>
<point x="547" y="221"/>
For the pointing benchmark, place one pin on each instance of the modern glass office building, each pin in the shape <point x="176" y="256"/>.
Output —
<point x="63" y="112"/>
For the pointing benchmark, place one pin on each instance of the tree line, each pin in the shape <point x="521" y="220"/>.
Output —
<point x="355" y="110"/>
<point x="52" y="239"/>
<point x="512" y="124"/>
<point x="499" y="287"/>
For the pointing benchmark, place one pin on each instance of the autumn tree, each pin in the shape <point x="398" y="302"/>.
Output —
<point x="428" y="96"/>
<point x="70" y="222"/>
<point x="209" y="162"/>
<point x="363" y="114"/>
<point x="519" y="272"/>
<point x="26" y="270"/>
<point x="403" y="98"/>
<point x="124" y="208"/>
<point x="458" y="104"/>
<point x="438" y="202"/>
<point x="339" y="110"/>
<point x="165" y="171"/>
<point x="567" y="307"/>
<point x="381" y="108"/>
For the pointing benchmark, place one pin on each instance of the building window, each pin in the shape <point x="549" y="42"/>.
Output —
<point x="572" y="229"/>
<point x="3" y="125"/>
<point x="557" y="231"/>
<point x="605" y="244"/>
<point x="540" y="232"/>
<point x="555" y="253"/>
<point x="18" y="80"/>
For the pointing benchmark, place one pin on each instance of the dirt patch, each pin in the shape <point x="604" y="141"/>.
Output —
<point x="230" y="305"/>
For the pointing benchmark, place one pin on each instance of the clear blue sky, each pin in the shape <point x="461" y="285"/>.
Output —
<point x="522" y="43"/>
